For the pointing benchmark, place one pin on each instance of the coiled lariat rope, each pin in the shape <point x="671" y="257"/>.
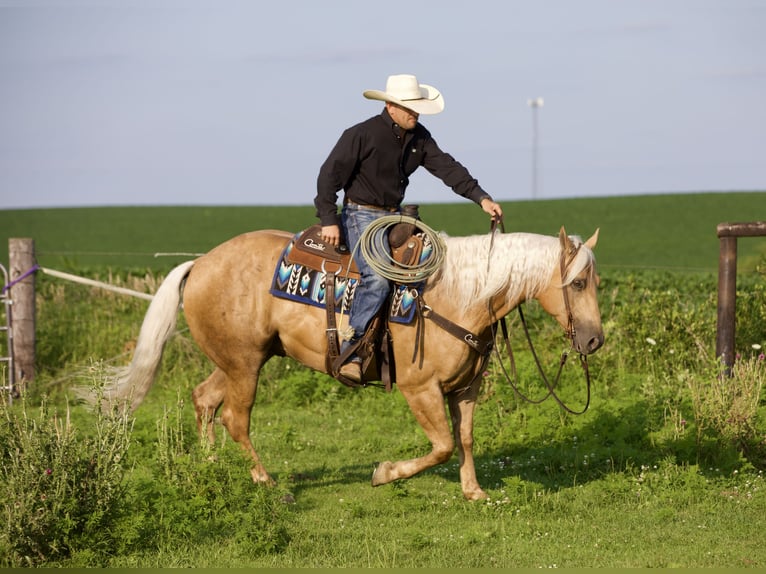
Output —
<point x="373" y="246"/>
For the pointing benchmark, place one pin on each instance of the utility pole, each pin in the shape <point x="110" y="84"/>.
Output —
<point x="535" y="104"/>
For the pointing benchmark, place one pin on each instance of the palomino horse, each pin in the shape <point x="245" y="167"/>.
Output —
<point x="239" y="325"/>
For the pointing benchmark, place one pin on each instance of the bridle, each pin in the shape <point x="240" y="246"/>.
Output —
<point x="565" y="259"/>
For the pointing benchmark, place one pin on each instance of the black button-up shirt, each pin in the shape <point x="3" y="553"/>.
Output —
<point x="373" y="160"/>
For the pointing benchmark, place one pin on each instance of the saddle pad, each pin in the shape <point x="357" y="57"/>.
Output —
<point x="302" y="284"/>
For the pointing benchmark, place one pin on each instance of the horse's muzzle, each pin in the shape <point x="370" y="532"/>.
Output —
<point x="593" y="344"/>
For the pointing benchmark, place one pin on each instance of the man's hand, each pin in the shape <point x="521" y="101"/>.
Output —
<point x="331" y="234"/>
<point x="492" y="208"/>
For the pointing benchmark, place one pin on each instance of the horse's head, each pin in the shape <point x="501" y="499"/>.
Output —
<point x="571" y="295"/>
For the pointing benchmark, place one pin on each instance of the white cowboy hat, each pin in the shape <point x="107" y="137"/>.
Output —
<point x="405" y="91"/>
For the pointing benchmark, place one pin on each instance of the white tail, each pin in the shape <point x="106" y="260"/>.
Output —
<point x="131" y="383"/>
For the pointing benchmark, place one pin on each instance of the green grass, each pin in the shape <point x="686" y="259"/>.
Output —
<point x="666" y="514"/>
<point x="129" y="237"/>
<point x="677" y="231"/>
<point x="646" y="478"/>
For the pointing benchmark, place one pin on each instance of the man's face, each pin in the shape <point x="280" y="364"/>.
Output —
<point x="406" y="119"/>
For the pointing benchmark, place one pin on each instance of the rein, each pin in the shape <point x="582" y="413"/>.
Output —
<point x="551" y="386"/>
<point x="569" y="331"/>
<point x="484" y="347"/>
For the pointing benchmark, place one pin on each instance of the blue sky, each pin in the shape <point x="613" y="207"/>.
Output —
<point x="238" y="102"/>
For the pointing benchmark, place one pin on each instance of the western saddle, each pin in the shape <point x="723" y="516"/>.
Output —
<point x="374" y="347"/>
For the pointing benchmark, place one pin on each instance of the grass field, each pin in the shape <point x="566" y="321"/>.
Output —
<point x="677" y="231"/>
<point x="666" y="469"/>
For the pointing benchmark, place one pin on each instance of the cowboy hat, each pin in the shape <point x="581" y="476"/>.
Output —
<point x="405" y="91"/>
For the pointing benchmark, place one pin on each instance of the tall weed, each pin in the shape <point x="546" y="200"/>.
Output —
<point x="62" y="489"/>
<point x="728" y="405"/>
<point x="198" y="494"/>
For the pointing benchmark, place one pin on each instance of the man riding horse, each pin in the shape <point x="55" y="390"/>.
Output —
<point x="372" y="162"/>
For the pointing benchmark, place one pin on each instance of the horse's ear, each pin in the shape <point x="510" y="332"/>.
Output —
<point x="566" y="244"/>
<point x="591" y="243"/>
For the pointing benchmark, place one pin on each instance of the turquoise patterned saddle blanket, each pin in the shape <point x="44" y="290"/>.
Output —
<point x="303" y="284"/>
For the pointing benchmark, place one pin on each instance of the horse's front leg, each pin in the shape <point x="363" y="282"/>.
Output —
<point x="428" y="407"/>
<point x="461" y="406"/>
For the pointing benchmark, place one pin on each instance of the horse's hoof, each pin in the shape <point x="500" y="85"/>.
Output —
<point x="287" y="498"/>
<point x="381" y="474"/>
<point x="261" y="477"/>
<point x="476" y="495"/>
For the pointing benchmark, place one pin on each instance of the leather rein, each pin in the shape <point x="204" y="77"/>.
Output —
<point x="484" y="346"/>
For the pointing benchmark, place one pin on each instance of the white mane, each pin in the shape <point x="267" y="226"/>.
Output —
<point x="521" y="263"/>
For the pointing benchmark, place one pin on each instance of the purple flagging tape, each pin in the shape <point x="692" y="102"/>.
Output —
<point x="20" y="278"/>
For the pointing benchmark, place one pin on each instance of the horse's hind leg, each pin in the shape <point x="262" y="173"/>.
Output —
<point x="461" y="406"/>
<point x="207" y="397"/>
<point x="235" y="414"/>
<point x="237" y="397"/>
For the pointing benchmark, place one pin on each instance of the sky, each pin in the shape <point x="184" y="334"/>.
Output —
<point x="224" y="102"/>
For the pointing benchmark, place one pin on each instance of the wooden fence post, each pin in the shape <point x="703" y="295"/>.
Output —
<point x="727" y="285"/>
<point x="21" y="259"/>
<point x="727" y="297"/>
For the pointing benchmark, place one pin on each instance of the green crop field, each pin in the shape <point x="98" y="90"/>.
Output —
<point x="676" y="231"/>
<point x="666" y="468"/>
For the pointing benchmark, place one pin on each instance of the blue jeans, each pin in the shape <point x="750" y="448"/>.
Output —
<point x="372" y="289"/>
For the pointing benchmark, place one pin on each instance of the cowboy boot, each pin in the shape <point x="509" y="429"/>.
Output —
<point x="352" y="370"/>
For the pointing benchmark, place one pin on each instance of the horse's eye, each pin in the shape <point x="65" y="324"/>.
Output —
<point x="579" y="284"/>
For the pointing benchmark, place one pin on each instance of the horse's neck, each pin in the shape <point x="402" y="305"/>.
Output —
<point x="476" y="286"/>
